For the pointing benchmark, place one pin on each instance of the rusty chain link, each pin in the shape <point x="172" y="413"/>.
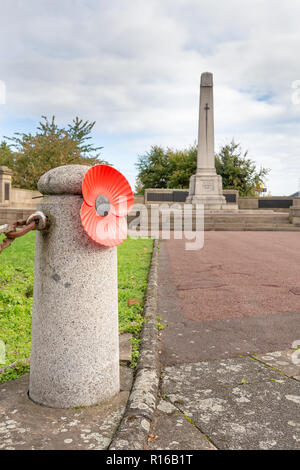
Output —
<point x="36" y="221"/>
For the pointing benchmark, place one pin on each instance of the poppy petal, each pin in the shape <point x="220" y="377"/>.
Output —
<point x="113" y="232"/>
<point x="109" y="182"/>
<point x="107" y="231"/>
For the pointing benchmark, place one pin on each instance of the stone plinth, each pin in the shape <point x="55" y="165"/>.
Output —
<point x="75" y="350"/>
<point x="206" y="189"/>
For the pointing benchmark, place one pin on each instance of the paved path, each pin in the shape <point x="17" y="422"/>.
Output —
<point x="25" y="425"/>
<point x="237" y="295"/>
<point x="225" y="307"/>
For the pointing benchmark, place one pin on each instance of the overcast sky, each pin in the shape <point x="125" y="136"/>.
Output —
<point x="134" y="67"/>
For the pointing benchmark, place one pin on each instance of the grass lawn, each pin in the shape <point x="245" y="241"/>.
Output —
<point x="16" y="288"/>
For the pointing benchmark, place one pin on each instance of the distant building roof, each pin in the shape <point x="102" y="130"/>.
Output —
<point x="297" y="194"/>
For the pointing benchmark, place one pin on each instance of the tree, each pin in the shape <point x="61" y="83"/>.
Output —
<point x="238" y="171"/>
<point x="49" y="147"/>
<point x="169" y="168"/>
<point x="183" y="164"/>
<point x="6" y="155"/>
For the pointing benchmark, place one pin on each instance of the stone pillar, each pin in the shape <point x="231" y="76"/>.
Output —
<point x="206" y="185"/>
<point x="206" y="143"/>
<point x="5" y="185"/>
<point x="75" y="349"/>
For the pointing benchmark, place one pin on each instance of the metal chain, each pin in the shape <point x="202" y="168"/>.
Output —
<point x="36" y="221"/>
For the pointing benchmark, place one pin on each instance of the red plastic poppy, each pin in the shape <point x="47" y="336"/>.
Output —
<point x="107" y="199"/>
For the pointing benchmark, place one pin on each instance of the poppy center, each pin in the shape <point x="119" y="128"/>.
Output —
<point x="102" y="205"/>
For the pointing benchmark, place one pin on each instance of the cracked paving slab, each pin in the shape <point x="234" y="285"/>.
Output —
<point x="239" y="403"/>
<point x="288" y="361"/>
<point x="26" y="425"/>
<point x="225" y="372"/>
<point x="171" y="430"/>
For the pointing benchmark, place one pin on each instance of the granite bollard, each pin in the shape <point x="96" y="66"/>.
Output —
<point x="75" y="349"/>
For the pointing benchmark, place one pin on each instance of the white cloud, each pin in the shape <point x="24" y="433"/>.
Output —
<point x="134" y="67"/>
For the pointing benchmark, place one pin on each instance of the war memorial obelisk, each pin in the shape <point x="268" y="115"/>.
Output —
<point x="206" y="185"/>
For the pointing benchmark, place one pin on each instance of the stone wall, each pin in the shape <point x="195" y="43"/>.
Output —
<point x="158" y="196"/>
<point x="10" y="215"/>
<point x="15" y="203"/>
<point x="24" y="198"/>
<point x="275" y="203"/>
<point x="248" y="203"/>
<point x="295" y="212"/>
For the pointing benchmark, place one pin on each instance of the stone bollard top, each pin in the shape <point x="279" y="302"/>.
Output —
<point x="65" y="179"/>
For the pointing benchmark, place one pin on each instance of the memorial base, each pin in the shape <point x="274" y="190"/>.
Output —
<point x="206" y="189"/>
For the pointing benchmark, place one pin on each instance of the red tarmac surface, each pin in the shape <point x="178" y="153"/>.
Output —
<point x="238" y="274"/>
<point x="240" y="293"/>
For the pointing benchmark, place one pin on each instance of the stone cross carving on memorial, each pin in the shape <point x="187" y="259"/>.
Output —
<point x="207" y="108"/>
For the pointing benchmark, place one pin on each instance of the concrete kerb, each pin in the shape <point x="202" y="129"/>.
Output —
<point x="134" y="428"/>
